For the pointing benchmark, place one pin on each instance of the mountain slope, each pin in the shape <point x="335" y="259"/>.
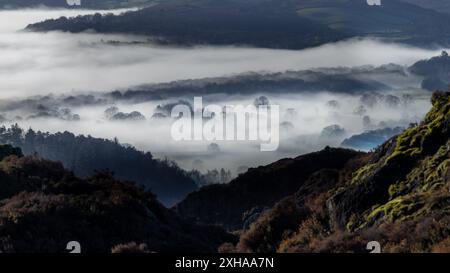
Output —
<point x="86" y="155"/>
<point x="293" y="24"/>
<point x="43" y="207"/>
<point x="233" y="204"/>
<point x="399" y="196"/>
<point x="405" y="177"/>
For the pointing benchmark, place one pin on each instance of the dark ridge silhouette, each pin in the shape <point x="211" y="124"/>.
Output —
<point x="85" y="155"/>
<point x="287" y="24"/>
<point x="43" y="207"/>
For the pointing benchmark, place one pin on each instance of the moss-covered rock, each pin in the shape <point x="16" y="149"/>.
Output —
<point x="413" y="163"/>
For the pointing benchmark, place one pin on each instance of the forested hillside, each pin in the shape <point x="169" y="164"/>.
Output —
<point x="86" y="155"/>
<point x="43" y="207"/>
<point x="292" y="24"/>
<point x="255" y="22"/>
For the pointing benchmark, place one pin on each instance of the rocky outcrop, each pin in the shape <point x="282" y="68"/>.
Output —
<point x="400" y="168"/>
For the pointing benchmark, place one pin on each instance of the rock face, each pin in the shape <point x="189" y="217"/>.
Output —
<point x="43" y="207"/>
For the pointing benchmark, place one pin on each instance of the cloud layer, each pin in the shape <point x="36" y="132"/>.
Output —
<point x="38" y="63"/>
<point x="62" y="63"/>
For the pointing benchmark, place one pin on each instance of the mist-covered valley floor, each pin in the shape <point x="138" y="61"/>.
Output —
<point x="118" y="86"/>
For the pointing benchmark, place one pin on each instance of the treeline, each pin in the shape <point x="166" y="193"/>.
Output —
<point x="211" y="177"/>
<point x="85" y="155"/>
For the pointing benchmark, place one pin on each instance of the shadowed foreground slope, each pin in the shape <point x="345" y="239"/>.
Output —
<point x="43" y="207"/>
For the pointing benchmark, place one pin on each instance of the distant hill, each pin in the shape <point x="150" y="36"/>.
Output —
<point x="370" y="139"/>
<point x="192" y="22"/>
<point x="292" y="24"/>
<point x="394" y="20"/>
<point x="86" y="155"/>
<point x="338" y="80"/>
<point x="340" y="200"/>
<point x="435" y="72"/>
<point x="43" y="207"/>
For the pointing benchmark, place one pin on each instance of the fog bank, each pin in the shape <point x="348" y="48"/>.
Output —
<point x="42" y="63"/>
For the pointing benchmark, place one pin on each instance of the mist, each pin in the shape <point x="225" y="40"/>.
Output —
<point x="38" y="64"/>
<point x="43" y="63"/>
<point x="304" y="117"/>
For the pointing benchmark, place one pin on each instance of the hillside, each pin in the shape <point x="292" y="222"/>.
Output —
<point x="84" y="155"/>
<point x="257" y="23"/>
<point x="292" y="24"/>
<point x="398" y="195"/>
<point x="43" y="207"/>
<point x="231" y="205"/>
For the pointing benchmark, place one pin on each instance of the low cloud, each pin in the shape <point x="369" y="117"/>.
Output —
<point x="43" y="63"/>
<point x="66" y="64"/>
